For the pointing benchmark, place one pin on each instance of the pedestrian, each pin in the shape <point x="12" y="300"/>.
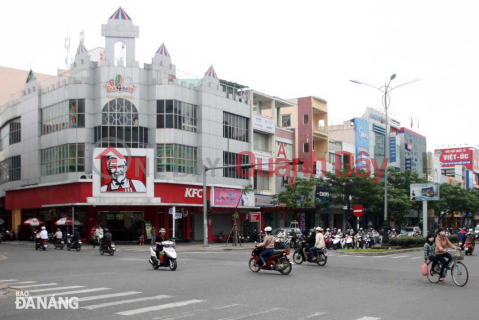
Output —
<point x="429" y="252"/>
<point x="442" y="242"/>
<point x="153" y="235"/>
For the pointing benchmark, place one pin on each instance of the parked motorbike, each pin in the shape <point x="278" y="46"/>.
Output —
<point x="277" y="261"/>
<point x="76" y="245"/>
<point x="368" y="241"/>
<point x="110" y="249"/>
<point x="469" y="248"/>
<point x="299" y="255"/>
<point x="221" y="238"/>
<point x="359" y="241"/>
<point x="336" y="242"/>
<point x="58" y="244"/>
<point x="348" y="242"/>
<point x="41" y="244"/>
<point x="167" y="256"/>
<point x="96" y="241"/>
<point x="254" y="237"/>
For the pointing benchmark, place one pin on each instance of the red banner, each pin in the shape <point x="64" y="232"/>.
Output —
<point x="455" y="157"/>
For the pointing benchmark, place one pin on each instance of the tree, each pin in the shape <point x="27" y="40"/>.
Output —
<point x="299" y="195"/>
<point x="235" y="216"/>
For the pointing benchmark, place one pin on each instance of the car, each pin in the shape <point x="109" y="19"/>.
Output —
<point x="411" y="230"/>
<point x="476" y="232"/>
<point x="287" y="232"/>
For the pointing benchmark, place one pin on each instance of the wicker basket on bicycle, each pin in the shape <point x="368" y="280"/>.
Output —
<point x="459" y="255"/>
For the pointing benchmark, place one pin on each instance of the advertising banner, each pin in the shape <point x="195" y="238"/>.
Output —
<point x="148" y="229"/>
<point x="263" y="123"/>
<point x="254" y="216"/>
<point x="123" y="174"/>
<point x="322" y="194"/>
<point x="392" y="149"/>
<point x="361" y="128"/>
<point x="284" y="150"/>
<point x="456" y="156"/>
<point x="261" y="200"/>
<point x="408" y="164"/>
<point x="424" y="191"/>
<point x="232" y="198"/>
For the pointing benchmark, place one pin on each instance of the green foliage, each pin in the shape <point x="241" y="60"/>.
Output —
<point x="455" y="198"/>
<point x="407" y="241"/>
<point x="245" y="190"/>
<point x="299" y="195"/>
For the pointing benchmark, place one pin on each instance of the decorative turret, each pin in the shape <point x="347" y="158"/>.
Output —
<point x="82" y="58"/>
<point x="162" y="62"/>
<point x="211" y="73"/>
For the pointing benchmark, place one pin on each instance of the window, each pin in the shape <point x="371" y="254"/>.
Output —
<point x="10" y="169"/>
<point x="261" y="183"/>
<point x="176" y="115"/>
<point x="306" y="147"/>
<point x="286" y="120"/>
<point x="120" y="126"/>
<point x="305" y="119"/>
<point x="63" y="159"/>
<point x="64" y="115"/>
<point x="261" y="142"/>
<point x="11" y="133"/>
<point x="230" y="159"/>
<point x="235" y="127"/>
<point x="176" y="158"/>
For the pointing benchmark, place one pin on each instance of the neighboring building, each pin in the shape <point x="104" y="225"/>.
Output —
<point x="13" y="81"/>
<point x="107" y="126"/>
<point x="413" y="151"/>
<point x="467" y="157"/>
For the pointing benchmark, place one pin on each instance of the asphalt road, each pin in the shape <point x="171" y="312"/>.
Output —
<point x="219" y="285"/>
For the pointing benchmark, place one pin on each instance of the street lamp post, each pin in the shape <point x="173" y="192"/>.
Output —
<point x="205" y="217"/>
<point x="386" y="102"/>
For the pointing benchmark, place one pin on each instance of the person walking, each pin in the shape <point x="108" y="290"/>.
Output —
<point x="153" y="235"/>
<point x="442" y="243"/>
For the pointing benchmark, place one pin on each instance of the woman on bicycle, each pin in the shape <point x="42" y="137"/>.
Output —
<point x="429" y="251"/>
<point x="442" y="242"/>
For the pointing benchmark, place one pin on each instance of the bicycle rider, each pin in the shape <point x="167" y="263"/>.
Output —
<point x="442" y="242"/>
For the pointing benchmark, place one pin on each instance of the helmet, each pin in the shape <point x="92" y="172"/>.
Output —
<point x="319" y="229"/>
<point x="394" y="229"/>
<point x="334" y="228"/>
<point x="328" y="229"/>
<point x="43" y="228"/>
<point x="268" y="229"/>
<point x="339" y="230"/>
<point x="361" y="229"/>
<point x="162" y="230"/>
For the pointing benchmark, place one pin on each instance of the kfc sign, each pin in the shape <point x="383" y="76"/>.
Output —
<point x="193" y="193"/>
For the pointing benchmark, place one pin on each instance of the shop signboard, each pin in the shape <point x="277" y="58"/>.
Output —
<point x="284" y="150"/>
<point x="254" y="216"/>
<point x="322" y="194"/>
<point x="456" y="156"/>
<point x="232" y="198"/>
<point x="263" y="201"/>
<point x="148" y="229"/>
<point x="263" y="123"/>
<point x="119" y="84"/>
<point x="424" y="191"/>
<point x="361" y="127"/>
<point x="408" y="163"/>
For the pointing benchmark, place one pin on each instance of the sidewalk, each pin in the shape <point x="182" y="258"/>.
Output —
<point x="180" y="247"/>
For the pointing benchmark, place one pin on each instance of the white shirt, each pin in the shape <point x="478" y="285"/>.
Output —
<point x="44" y="234"/>
<point x="59" y="235"/>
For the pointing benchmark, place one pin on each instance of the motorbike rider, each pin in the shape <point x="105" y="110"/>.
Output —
<point x="106" y="240"/>
<point x="44" y="234"/>
<point x="335" y="232"/>
<point x="268" y="243"/>
<point x="75" y="236"/>
<point x="370" y="235"/>
<point x="319" y="243"/>
<point x="340" y="235"/>
<point x="470" y="238"/>
<point x="58" y="236"/>
<point x="361" y="232"/>
<point x="281" y="237"/>
<point x="462" y="237"/>
<point x="159" y="239"/>
<point x="98" y="234"/>
<point x="393" y="234"/>
<point x="310" y="244"/>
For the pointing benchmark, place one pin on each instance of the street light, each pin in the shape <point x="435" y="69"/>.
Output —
<point x="386" y="101"/>
<point x="205" y="169"/>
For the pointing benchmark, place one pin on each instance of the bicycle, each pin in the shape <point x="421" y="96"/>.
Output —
<point x="459" y="272"/>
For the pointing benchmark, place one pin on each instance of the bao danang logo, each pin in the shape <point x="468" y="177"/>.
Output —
<point x="120" y="84"/>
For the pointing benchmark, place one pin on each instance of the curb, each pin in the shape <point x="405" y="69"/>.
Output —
<point x="383" y="253"/>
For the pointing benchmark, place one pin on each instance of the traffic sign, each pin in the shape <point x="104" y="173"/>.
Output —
<point x="358" y="211"/>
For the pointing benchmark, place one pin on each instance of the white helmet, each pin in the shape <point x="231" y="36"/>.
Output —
<point x="268" y="229"/>
<point x="43" y="228"/>
<point x="339" y="230"/>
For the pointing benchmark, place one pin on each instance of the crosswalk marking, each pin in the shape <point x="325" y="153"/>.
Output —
<point x="115" y="303"/>
<point x="417" y="258"/>
<point x="398" y="258"/>
<point x="36" y="285"/>
<point x="369" y="318"/>
<point x="104" y="296"/>
<point x="158" y="308"/>
<point x="252" y="316"/>
<point x="58" y="288"/>
<point x="8" y="280"/>
<point x="314" y="315"/>
<point x="24" y="282"/>
<point x="70" y="292"/>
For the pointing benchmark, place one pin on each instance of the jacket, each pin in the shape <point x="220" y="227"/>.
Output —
<point x="268" y="242"/>
<point x="462" y="235"/>
<point x="442" y="244"/>
<point x="58" y="235"/>
<point x="44" y="234"/>
<point x="319" y="241"/>
<point x="429" y="250"/>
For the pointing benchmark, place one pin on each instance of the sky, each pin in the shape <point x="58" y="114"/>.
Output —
<point x="288" y="49"/>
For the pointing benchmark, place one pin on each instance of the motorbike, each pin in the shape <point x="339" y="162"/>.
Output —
<point x="76" y="245"/>
<point x="348" y="242"/>
<point x="336" y="242"/>
<point x="41" y="244"/>
<point x="359" y="241"/>
<point x="96" y="241"/>
<point x="279" y="243"/>
<point x="221" y="238"/>
<point x="254" y="237"/>
<point x="110" y="249"/>
<point x="327" y="242"/>
<point x="299" y="255"/>
<point x="368" y="242"/>
<point x="58" y="244"/>
<point x="167" y="256"/>
<point x="469" y="248"/>
<point x="276" y="261"/>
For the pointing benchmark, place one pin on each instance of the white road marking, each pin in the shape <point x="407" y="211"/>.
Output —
<point x="314" y="315"/>
<point x="24" y="282"/>
<point x="343" y="255"/>
<point x="417" y="258"/>
<point x="253" y="315"/>
<point x="8" y="280"/>
<point x="229" y="306"/>
<point x="369" y="318"/>
<point x="36" y="285"/>
<point x="104" y="296"/>
<point x="359" y="256"/>
<point x="379" y="257"/>
<point x="115" y="303"/>
<point x="397" y="258"/>
<point x="160" y="307"/>
<point x="71" y="292"/>
<point x="179" y="316"/>
<point x="58" y="288"/>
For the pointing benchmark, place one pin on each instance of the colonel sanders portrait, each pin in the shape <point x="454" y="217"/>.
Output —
<point x="117" y="169"/>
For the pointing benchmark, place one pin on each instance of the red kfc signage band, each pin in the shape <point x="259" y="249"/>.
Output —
<point x="455" y="157"/>
<point x="180" y="193"/>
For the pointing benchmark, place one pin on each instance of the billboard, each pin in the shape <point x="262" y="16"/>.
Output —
<point x="123" y="174"/>
<point x="263" y="124"/>
<point x="456" y="156"/>
<point x="392" y="149"/>
<point x="361" y="128"/>
<point x="232" y="198"/>
<point x="424" y="191"/>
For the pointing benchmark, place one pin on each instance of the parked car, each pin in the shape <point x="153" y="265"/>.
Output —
<point x="413" y="230"/>
<point x="287" y="232"/>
